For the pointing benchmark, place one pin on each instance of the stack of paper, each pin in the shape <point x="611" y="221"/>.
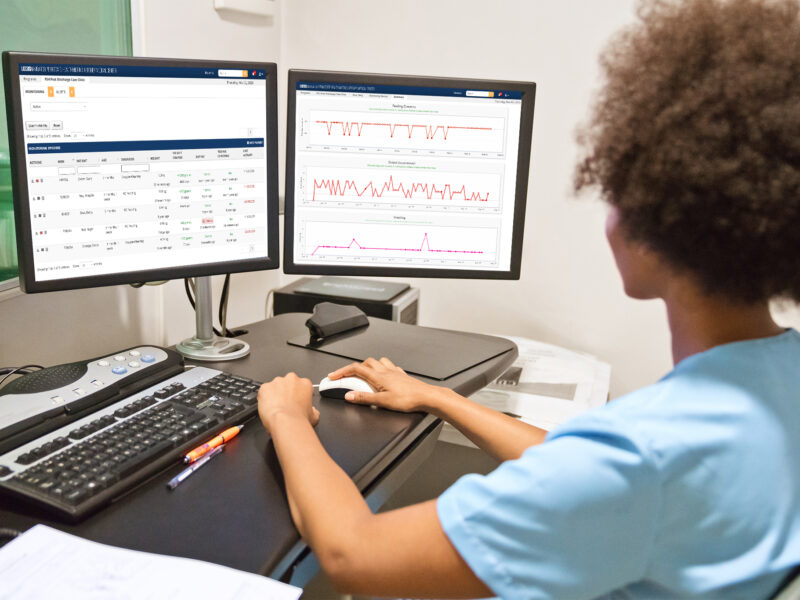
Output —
<point x="546" y="386"/>
<point x="45" y="563"/>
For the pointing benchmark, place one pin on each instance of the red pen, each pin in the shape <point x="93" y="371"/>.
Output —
<point x="222" y="438"/>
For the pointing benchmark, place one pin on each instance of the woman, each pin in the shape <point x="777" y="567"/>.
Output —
<point x="689" y="487"/>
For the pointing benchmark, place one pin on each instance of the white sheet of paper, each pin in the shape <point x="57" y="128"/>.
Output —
<point x="548" y="364"/>
<point x="542" y="365"/>
<point x="45" y="563"/>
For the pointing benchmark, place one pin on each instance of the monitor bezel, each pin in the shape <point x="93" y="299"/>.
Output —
<point x="28" y="282"/>
<point x="528" y="90"/>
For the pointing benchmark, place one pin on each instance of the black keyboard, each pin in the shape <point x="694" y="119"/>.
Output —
<point x="79" y="468"/>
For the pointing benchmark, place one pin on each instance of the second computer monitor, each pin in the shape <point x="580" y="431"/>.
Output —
<point x="131" y="169"/>
<point x="406" y="176"/>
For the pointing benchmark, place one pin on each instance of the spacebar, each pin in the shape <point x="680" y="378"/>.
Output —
<point x="137" y="462"/>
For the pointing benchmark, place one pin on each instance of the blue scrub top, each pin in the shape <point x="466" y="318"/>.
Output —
<point x="687" y="488"/>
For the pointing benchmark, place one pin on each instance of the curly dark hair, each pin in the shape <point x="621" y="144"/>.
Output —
<point x="695" y="138"/>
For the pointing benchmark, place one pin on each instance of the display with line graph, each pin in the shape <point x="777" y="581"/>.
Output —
<point x="407" y="189"/>
<point x="393" y="243"/>
<point x="406" y="176"/>
<point x="405" y="131"/>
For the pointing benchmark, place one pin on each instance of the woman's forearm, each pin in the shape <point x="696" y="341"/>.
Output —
<point x="498" y="435"/>
<point x="361" y="552"/>
<point x="310" y="472"/>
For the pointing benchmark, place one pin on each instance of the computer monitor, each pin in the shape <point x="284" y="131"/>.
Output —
<point x="128" y="170"/>
<point x="406" y="176"/>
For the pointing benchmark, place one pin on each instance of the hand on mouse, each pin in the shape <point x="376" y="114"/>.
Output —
<point x="289" y="394"/>
<point x="394" y="389"/>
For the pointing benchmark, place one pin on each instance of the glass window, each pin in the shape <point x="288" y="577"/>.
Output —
<point x="78" y="26"/>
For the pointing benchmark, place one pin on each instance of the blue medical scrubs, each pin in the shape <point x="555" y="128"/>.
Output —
<point x="689" y="488"/>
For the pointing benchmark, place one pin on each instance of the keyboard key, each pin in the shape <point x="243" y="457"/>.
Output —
<point x="135" y="463"/>
<point x="25" y="459"/>
<point x="76" y="496"/>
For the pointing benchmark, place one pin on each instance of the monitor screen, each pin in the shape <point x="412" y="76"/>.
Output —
<point x="129" y="170"/>
<point x="406" y="176"/>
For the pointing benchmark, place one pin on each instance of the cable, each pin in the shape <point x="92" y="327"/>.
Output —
<point x="223" y="305"/>
<point x="144" y="283"/>
<point x="4" y="370"/>
<point x="223" y="331"/>
<point x="23" y="370"/>
<point x="269" y="309"/>
<point x="7" y="534"/>
<point x="223" y="311"/>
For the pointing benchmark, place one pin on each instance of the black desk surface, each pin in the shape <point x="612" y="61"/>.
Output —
<point x="233" y="512"/>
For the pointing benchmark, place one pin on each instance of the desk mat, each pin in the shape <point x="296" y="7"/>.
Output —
<point x="434" y="353"/>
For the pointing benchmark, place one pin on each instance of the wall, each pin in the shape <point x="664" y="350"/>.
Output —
<point x="62" y="326"/>
<point x="193" y="29"/>
<point x="570" y="292"/>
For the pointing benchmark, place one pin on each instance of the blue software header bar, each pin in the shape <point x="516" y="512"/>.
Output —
<point x="361" y="88"/>
<point x="130" y="146"/>
<point x="140" y="71"/>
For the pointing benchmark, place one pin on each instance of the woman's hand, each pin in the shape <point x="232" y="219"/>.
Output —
<point x="393" y="388"/>
<point x="286" y="395"/>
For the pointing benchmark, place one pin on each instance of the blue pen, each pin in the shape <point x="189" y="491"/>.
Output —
<point x="180" y="477"/>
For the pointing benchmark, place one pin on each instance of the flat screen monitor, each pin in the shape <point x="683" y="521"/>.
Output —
<point x="406" y="176"/>
<point x="129" y="170"/>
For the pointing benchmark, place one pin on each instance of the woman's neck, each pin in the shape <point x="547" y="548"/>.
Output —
<point x="699" y="322"/>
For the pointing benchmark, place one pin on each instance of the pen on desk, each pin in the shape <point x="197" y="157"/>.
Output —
<point x="222" y="438"/>
<point x="180" y="477"/>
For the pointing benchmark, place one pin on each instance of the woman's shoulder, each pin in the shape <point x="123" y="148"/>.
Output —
<point x="736" y="391"/>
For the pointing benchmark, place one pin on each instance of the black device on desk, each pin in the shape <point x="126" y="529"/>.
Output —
<point x="74" y="437"/>
<point x="129" y="170"/>
<point x="385" y="300"/>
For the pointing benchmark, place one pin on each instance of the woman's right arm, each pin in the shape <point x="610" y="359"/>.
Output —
<point x="498" y="435"/>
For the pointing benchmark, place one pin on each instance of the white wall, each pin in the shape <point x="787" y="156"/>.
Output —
<point x="569" y="293"/>
<point x="59" y="327"/>
<point x="193" y="29"/>
<point x="63" y="326"/>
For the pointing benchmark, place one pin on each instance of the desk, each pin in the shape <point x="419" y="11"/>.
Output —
<point x="233" y="512"/>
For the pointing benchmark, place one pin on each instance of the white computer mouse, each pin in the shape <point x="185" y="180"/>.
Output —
<point x="337" y="388"/>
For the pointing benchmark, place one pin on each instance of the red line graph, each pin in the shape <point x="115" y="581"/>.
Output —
<point x="430" y="131"/>
<point x="337" y="187"/>
<point x="422" y="248"/>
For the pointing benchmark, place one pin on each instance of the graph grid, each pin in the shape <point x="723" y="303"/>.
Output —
<point x="407" y="131"/>
<point x="469" y="191"/>
<point x="392" y="242"/>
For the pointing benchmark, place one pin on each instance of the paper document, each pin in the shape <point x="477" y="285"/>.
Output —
<point x="546" y="386"/>
<point x="44" y="563"/>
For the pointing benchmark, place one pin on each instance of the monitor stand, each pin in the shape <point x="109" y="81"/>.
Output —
<point x="205" y="345"/>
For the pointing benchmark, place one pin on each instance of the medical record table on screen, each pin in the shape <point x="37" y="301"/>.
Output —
<point x="416" y="176"/>
<point x="133" y="168"/>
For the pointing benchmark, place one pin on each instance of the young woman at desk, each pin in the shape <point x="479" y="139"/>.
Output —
<point x="689" y="487"/>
